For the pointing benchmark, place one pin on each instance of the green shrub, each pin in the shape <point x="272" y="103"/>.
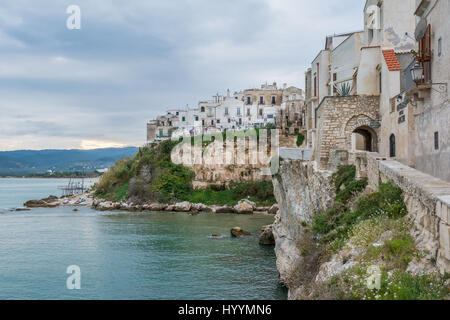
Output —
<point x="166" y="181"/>
<point x="343" y="176"/>
<point x="335" y="224"/>
<point x="300" y="139"/>
<point x="351" y="188"/>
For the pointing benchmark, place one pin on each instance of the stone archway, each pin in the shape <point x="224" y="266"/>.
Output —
<point x="360" y="134"/>
<point x="364" y="139"/>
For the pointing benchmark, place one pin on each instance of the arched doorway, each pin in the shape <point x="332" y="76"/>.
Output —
<point x="364" y="139"/>
<point x="392" y="146"/>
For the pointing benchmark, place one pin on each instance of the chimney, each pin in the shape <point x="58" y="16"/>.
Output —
<point x="228" y="93"/>
<point x="284" y="86"/>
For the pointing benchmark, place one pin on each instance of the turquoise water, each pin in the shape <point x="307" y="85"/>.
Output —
<point x="128" y="255"/>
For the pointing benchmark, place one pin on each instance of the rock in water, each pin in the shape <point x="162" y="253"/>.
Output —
<point x="223" y="209"/>
<point x="245" y="207"/>
<point x="183" y="206"/>
<point x="157" y="207"/>
<point x="266" y="238"/>
<point x="39" y="204"/>
<point x="273" y="209"/>
<point x="237" y="232"/>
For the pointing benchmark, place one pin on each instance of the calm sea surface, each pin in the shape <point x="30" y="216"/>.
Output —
<point x="127" y="255"/>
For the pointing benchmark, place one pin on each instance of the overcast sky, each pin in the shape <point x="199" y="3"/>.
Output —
<point x="133" y="59"/>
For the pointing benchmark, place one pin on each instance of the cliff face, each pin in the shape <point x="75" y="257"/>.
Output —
<point x="385" y="216"/>
<point x="301" y="191"/>
<point x="220" y="164"/>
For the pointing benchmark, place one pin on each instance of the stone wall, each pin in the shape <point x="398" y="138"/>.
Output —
<point x="427" y="200"/>
<point x="337" y="119"/>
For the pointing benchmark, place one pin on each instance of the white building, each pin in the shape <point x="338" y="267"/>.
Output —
<point x="230" y="112"/>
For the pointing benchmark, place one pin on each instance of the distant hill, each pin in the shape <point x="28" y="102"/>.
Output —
<point x="24" y="162"/>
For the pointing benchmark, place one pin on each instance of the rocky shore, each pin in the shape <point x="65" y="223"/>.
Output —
<point x="242" y="207"/>
<point x="76" y="200"/>
<point x="87" y="199"/>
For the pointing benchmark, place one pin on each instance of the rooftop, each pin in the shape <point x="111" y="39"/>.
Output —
<point x="391" y="60"/>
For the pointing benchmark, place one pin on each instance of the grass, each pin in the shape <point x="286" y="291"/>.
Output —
<point x="336" y="223"/>
<point x="333" y="227"/>
<point x="398" y="285"/>
<point x="258" y="192"/>
<point x="117" y="194"/>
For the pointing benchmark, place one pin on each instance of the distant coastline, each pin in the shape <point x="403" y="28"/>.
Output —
<point x="55" y="175"/>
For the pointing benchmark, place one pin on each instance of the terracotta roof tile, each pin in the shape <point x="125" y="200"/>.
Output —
<point x="391" y="60"/>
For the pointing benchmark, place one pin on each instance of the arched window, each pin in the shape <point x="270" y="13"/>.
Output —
<point x="392" y="148"/>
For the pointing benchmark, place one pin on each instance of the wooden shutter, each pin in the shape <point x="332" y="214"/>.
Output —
<point x="425" y="54"/>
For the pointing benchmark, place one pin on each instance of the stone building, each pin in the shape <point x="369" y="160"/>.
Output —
<point x="364" y="66"/>
<point x="426" y="103"/>
<point x="292" y="112"/>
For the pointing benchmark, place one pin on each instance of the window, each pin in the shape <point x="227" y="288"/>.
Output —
<point x="425" y="54"/>
<point x="203" y="122"/>
<point x="392" y="149"/>
<point x="393" y="104"/>
<point x="203" y="109"/>
<point x="380" y="82"/>
<point x="183" y="119"/>
<point x="261" y="112"/>
<point x="229" y="120"/>
<point x="177" y="113"/>
<point x="274" y="100"/>
<point x="226" y="111"/>
<point x="334" y="83"/>
<point x="270" y="116"/>
<point x="261" y="100"/>
<point x="212" y="122"/>
<point x="440" y="47"/>
<point x="436" y="141"/>
<point x="218" y="121"/>
<point x="238" y="111"/>
<point x="196" y="118"/>
<point x="248" y="112"/>
<point x="161" y="133"/>
<point x="249" y="100"/>
<point x="315" y="86"/>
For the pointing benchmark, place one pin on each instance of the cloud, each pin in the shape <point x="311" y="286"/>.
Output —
<point x="134" y="59"/>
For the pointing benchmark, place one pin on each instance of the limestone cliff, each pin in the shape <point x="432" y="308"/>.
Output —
<point x="301" y="191"/>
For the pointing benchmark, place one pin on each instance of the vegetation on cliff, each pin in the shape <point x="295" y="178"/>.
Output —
<point x="360" y="232"/>
<point x="151" y="176"/>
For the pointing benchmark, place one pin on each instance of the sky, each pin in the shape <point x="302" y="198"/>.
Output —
<point x="131" y="60"/>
